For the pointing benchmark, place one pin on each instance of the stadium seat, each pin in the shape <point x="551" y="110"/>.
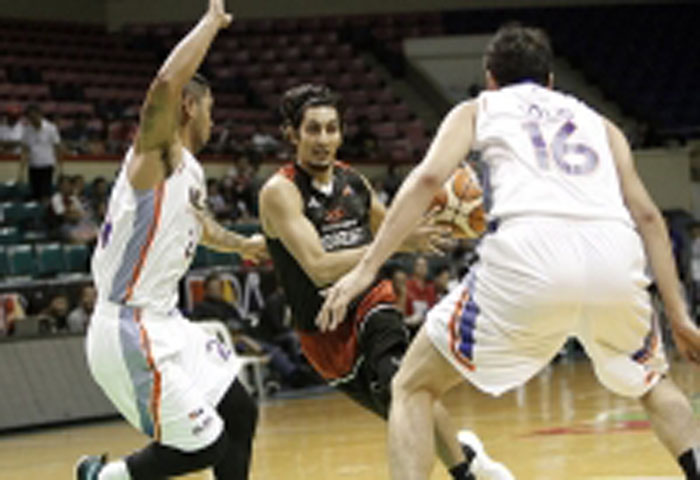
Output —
<point x="8" y="191"/>
<point x="200" y="257"/>
<point x="50" y="259"/>
<point x="20" y="260"/>
<point x="9" y="235"/>
<point x="3" y="262"/>
<point x="222" y="259"/>
<point x="34" y="236"/>
<point x="76" y="258"/>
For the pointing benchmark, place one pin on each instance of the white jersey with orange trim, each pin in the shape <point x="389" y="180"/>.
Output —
<point x="148" y="238"/>
<point x="164" y="373"/>
<point x="546" y="154"/>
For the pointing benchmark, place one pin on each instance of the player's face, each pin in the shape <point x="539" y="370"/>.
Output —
<point x="203" y="119"/>
<point x="199" y="111"/>
<point x="318" y="138"/>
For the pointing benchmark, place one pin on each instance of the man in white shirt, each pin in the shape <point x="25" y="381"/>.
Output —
<point x="41" y="150"/>
<point x="11" y="129"/>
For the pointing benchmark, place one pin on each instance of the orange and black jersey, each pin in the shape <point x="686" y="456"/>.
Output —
<point x="341" y="219"/>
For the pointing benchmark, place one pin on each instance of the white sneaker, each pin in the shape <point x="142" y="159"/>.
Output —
<point x="483" y="467"/>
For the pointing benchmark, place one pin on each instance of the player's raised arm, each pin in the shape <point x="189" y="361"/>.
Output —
<point x="657" y="244"/>
<point x="159" y="114"/>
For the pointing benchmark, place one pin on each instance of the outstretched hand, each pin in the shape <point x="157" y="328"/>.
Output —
<point x="339" y="296"/>
<point x="254" y="248"/>
<point x="217" y="8"/>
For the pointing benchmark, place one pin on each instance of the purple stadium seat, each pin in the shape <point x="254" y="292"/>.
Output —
<point x="356" y="98"/>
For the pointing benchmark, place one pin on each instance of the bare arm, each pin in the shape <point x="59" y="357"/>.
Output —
<point x="657" y="244"/>
<point x="217" y="237"/>
<point x="283" y="217"/>
<point x="160" y="111"/>
<point x="451" y="145"/>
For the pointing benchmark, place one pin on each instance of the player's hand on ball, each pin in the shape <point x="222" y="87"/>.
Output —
<point x="428" y="237"/>
<point x="217" y="9"/>
<point x="687" y="338"/>
<point x="254" y="248"/>
<point x="339" y="296"/>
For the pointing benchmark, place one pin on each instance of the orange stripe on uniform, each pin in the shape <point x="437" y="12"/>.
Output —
<point x="157" y="381"/>
<point x="454" y="333"/>
<point x="157" y="205"/>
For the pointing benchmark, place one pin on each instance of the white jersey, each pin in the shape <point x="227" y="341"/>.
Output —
<point x="148" y="238"/>
<point x="546" y="154"/>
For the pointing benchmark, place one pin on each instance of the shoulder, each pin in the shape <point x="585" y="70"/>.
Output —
<point x="466" y="109"/>
<point x="278" y="190"/>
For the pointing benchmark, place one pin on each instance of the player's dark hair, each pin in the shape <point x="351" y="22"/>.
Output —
<point x="517" y="54"/>
<point x="296" y="100"/>
<point x="198" y="86"/>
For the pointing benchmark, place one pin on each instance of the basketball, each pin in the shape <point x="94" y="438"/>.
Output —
<point x="459" y="204"/>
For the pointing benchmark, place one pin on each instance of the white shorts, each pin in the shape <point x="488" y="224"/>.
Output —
<point x="162" y="372"/>
<point x="540" y="281"/>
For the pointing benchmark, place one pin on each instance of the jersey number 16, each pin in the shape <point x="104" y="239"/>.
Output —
<point x="559" y="149"/>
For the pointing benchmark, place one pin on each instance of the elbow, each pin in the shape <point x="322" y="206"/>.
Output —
<point x="320" y="278"/>
<point x="647" y="217"/>
<point x="428" y="181"/>
<point x="320" y="275"/>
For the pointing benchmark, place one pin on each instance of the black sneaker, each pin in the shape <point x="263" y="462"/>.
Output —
<point x="89" y="467"/>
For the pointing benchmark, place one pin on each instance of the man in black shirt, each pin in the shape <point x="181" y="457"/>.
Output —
<point x="318" y="215"/>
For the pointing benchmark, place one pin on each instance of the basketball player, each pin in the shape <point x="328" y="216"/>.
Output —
<point x="318" y="214"/>
<point x="571" y="222"/>
<point x="164" y="374"/>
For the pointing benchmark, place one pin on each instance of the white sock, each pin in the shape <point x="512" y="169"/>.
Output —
<point x="115" y="471"/>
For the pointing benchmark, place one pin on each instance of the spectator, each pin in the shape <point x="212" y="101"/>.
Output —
<point x="55" y="313"/>
<point x="264" y="143"/>
<point x="78" y="137"/>
<point x="98" y="197"/>
<point x="70" y="219"/>
<point x="443" y="282"/>
<point x="398" y="281"/>
<point x="382" y="195"/>
<point x="392" y="181"/>
<point x="215" y="307"/>
<point x="79" y="318"/>
<point x="12" y="309"/>
<point x="216" y="201"/>
<point x="42" y="150"/>
<point x="420" y="294"/>
<point x="11" y="129"/>
<point x="275" y="324"/>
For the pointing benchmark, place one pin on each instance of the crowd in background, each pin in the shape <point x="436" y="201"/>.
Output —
<point x="74" y="210"/>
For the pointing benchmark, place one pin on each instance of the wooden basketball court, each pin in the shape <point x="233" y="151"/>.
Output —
<point x="563" y="425"/>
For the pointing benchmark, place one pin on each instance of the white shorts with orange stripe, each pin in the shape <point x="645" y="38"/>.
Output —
<point x="540" y="281"/>
<point x="162" y="372"/>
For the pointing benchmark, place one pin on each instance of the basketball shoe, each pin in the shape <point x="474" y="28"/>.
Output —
<point x="482" y="466"/>
<point x="89" y="467"/>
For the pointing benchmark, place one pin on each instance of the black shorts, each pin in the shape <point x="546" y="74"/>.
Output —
<point x="41" y="182"/>
<point x="383" y="341"/>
